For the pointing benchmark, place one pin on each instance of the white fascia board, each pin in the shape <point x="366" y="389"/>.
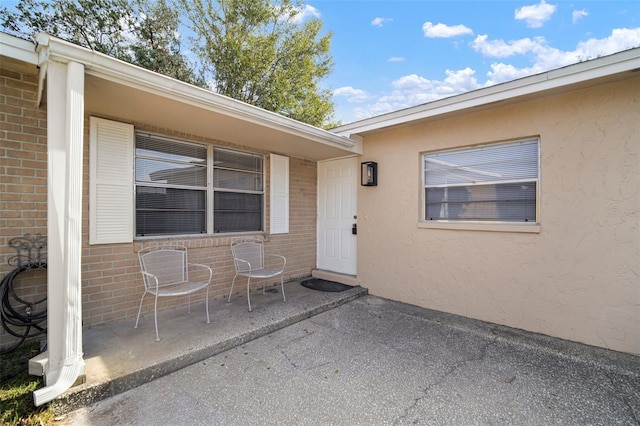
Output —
<point x="108" y="68"/>
<point x="625" y="61"/>
<point x="17" y="48"/>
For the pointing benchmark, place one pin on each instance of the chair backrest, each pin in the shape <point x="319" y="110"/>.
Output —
<point x="169" y="265"/>
<point x="249" y="251"/>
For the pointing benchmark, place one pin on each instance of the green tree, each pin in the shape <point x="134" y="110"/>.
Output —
<point x="97" y="24"/>
<point x="142" y="32"/>
<point x="157" y="45"/>
<point x="261" y="53"/>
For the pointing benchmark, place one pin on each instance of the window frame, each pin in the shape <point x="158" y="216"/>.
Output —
<point x="209" y="190"/>
<point x="480" y="225"/>
<point x="214" y="189"/>
<point x="170" y="158"/>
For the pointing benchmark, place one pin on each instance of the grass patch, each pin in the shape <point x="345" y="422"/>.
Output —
<point x="16" y="389"/>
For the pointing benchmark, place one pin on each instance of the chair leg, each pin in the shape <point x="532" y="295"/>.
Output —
<point x="248" y="298"/>
<point x="284" y="298"/>
<point x="231" y="291"/>
<point x="155" y="315"/>
<point x="188" y="303"/>
<point x="206" y="303"/>
<point x="140" y="308"/>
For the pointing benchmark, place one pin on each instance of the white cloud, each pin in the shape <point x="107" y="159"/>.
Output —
<point x="412" y="89"/>
<point x="545" y="57"/>
<point x="504" y="49"/>
<point x="579" y="14"/>
<point x="415" y="89"/>
<point x="501" y="73"/>
<point x="396" y="59"/>
<point x="535" y="15"/>
<point x="412" y="82"/>
<point x="304" y="13"/>
<point x="353" y="95"/>
<point x="459" y="81"/>
<point x="619" y="40"/>
<point x="379" y="22"/>
<point x="361" y="113"/>
<point x="548" y="57"/>
<point x="444" y="31"/>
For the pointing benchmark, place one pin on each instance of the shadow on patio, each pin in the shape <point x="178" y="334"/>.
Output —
<point x="119" y="357"/>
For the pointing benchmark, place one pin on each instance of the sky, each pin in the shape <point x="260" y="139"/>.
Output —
<point x="393" y="54"/>
<point x="390" y="55"/>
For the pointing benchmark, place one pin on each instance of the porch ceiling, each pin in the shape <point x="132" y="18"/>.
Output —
<point x="200" y="116"/>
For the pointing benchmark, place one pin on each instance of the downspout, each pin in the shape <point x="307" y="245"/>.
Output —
<point x="65" y="131"/>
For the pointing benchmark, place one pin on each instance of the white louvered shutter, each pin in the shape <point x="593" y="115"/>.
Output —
<point x="279" y="219"/>
<point x="111" y="182"/>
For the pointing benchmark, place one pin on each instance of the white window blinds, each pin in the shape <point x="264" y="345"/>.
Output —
<point x="171" y="186"/>
<point x="490" y="183"/>
<point x="238" y="191"/>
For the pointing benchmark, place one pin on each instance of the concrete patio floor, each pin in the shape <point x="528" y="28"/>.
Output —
<point x="348" y="359"/>
<point x="119" y="357"/>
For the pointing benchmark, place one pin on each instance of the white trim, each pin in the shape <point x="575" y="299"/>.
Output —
<point x="339" y="158"/>
<point x="532" y="228"/>
<point x="19" y="49"/>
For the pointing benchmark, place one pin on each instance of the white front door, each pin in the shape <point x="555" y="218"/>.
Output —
<point x="337" y="208"/>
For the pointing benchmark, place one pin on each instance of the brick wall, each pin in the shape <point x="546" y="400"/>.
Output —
<point x="23" y="179"/>
<point x="111" y="283"/>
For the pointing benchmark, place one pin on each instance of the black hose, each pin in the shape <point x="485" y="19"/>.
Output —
<point x="25" y="324"/>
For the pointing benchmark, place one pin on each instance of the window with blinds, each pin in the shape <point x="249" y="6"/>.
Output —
<point x="238" y="191"/>
<point x="172" y="190"/>
<point x="489" y="183"/>
<point x="171" y="186"/>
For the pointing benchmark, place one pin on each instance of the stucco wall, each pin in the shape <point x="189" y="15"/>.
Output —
<point x="578" y="279"/>
<point x="111" y="283"/>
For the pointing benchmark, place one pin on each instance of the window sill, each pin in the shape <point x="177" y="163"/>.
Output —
<point x="196" y="236"/>
<point x="531" y="228"/>
<point x="199" y="240"/>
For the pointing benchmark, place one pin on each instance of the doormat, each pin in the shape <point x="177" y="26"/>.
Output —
<point x="324" y="285"/>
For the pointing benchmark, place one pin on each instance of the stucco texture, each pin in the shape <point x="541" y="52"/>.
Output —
<point x="578" y="278"/>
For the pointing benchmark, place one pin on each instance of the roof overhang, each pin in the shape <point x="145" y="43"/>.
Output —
<point x="602" y="70"/>
<point x="122" y="91"/>
<point x="17" y="54"/>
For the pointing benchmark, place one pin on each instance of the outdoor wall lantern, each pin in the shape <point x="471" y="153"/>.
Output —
<point x="369" y="173"/>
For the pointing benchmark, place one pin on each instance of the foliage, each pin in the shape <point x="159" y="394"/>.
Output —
<point x="256" y="51"/>
<point x="263" y="54"/>
<point x="158" y="47"/>
<point x="97" y="24"/>
<point x="16" y="389"/>
<point x="140" y="31"/>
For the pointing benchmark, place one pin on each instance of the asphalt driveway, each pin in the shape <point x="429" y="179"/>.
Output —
<point x="377" y="362"/>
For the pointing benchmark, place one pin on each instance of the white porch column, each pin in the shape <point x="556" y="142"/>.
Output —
<point x="65" y="129"/>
